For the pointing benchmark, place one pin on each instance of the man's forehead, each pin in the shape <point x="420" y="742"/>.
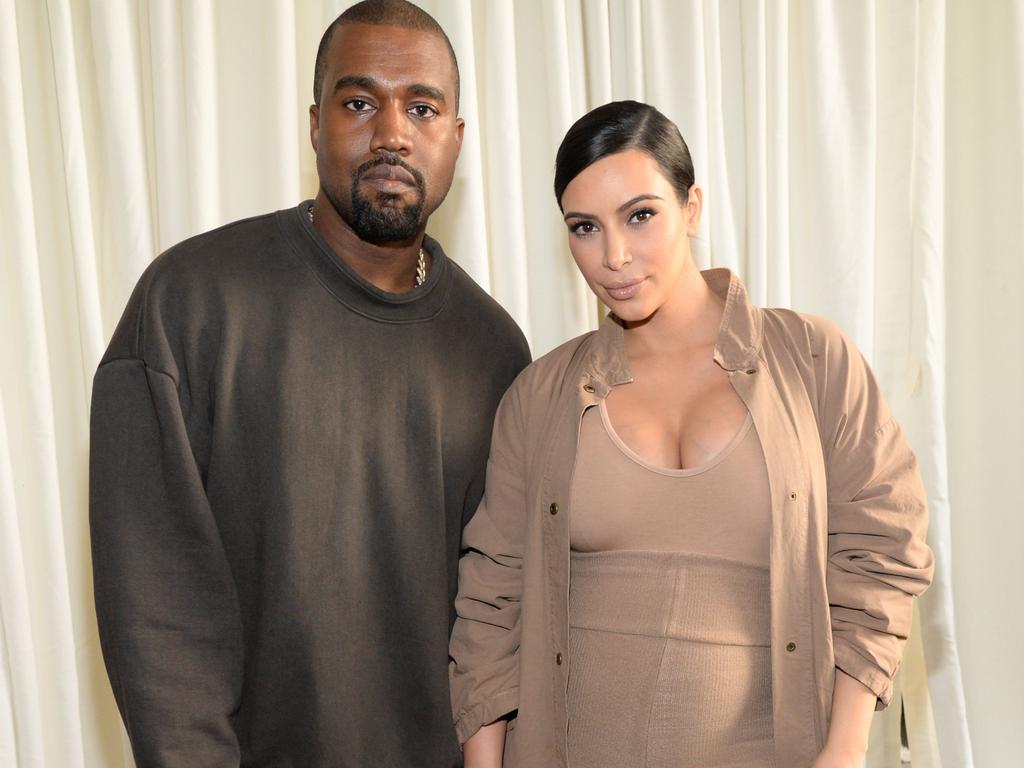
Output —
<point x="360" y="40"/>
<point x="388" y="53"/>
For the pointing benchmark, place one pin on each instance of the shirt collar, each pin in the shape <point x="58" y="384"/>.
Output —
<point x="742" y="328"/>
<point x="738" y="344"/>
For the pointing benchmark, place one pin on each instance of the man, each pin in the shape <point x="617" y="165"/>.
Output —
<point x="289" y="430"/>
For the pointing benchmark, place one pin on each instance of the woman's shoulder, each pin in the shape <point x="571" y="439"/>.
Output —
<point x="560" y="360"/>
<point x="547" y="374"/>
<point x="803" y="331"/>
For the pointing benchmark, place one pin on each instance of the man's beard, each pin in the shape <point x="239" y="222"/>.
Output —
<point x="378" y="220"/>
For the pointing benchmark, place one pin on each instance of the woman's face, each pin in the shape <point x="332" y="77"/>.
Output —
<point x="628" y="232"/>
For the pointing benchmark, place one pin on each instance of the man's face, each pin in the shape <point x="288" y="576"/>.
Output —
<point x="386" y="132"/>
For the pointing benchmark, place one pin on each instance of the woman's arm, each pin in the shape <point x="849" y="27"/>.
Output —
<point x="878" y="559"/>
<point x="483" y="651"/>
<point x="485" y="748"/>
<point x="852" y="707"/>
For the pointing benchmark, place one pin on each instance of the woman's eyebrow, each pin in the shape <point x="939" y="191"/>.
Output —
<point x="620" y="209"/>
<point x="637" y="199"/>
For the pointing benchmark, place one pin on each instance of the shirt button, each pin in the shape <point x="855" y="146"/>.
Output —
<point x="553" y="509"/>
<point x="792" y="495"/>
<point x="790" y="647"/>
<point x="558" y="659"/>
<point x="588" y="388"/>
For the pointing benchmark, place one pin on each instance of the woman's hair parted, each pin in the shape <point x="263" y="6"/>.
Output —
<point x="618" y="126"/>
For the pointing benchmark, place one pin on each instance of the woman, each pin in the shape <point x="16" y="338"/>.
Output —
<point x="702" y="529"/>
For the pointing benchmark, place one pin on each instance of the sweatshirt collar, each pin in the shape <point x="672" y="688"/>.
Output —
<point x="357" y="293"/>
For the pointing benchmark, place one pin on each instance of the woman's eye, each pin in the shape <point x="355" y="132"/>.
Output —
<point x="642" y="215"/>
<point x="583" y="228"/>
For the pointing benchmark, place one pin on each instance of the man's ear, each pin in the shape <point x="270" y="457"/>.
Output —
<point x="314" y="125"/>
<point x="460" y="129"/>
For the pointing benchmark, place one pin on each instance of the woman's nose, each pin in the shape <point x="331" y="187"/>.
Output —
<point x="616" y="253"/>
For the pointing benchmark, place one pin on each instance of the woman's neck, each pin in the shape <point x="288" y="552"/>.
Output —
<point x="687" y="322"/>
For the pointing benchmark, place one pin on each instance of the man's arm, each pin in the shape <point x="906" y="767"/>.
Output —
<point x="165" y="599"/>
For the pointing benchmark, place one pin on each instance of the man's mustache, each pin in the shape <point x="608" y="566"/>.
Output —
<point x="389" y="158"/>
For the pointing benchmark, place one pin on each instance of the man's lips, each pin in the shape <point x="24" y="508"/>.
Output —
<point x="387" y="174"/>
<point x="624" y="289"/>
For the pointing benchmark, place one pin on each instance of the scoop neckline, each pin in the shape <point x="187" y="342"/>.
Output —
<point x="635" y="457"/>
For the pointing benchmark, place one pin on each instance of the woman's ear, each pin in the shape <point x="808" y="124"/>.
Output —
<point x="694" y="206"/>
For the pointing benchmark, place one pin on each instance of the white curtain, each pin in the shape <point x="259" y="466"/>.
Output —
<point x="818" y="131"/>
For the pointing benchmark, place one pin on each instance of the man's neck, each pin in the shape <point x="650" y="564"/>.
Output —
<point x="390" y="267"/>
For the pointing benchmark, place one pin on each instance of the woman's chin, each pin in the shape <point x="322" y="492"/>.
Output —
<point x="630" y="313"/>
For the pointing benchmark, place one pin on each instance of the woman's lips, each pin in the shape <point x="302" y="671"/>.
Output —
<point x="624" y="290"/>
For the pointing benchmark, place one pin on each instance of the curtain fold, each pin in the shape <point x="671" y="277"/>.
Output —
<point x="35" y="598"/>
<point x="817" y="132"/>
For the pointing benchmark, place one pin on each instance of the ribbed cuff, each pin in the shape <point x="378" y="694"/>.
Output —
<point x="486" y="712"/>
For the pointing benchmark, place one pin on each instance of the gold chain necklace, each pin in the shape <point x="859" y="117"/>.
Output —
<point x="421" y="261"/>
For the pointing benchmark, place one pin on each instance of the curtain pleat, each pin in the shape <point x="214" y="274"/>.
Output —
<point x="173" y="168"/>
<point x="497" y="77"/>
<point x="42" y="665"/>
<point x="123" y="215"/>
<point x="199" y="74"/>
<point x="817" y="134"/>
<point x="941" y="699"/>
<point x="76" y="180"/>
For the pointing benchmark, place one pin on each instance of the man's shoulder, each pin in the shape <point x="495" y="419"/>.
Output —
<point x="189" y="283"/>
<point x="482" y="313"/>
<point x="468" y="293"/>
<point x="205" y="252"/>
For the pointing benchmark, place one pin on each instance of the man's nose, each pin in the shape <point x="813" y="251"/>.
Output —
<point x="391" y="129"/>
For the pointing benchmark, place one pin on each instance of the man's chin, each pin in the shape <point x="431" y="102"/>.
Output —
<point x="389" y="203"/>
<point x="380" y="232"/>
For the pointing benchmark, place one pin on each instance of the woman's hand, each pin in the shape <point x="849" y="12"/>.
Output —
<point x="834" y="758"/>
<point x="852" y="708"/>
<point x="486" y="747"/>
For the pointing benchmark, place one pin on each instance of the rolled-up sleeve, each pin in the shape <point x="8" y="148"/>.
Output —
<point x="483" y="665"/>
<point x="878" y="560"/>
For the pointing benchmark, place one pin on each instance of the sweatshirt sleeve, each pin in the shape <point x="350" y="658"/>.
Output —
<point x="483" y="667"/>
<point x="165" y="599"/>
<point x="878" y="560"/>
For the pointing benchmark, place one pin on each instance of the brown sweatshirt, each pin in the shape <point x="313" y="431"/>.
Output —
<point x="282" y="461"/>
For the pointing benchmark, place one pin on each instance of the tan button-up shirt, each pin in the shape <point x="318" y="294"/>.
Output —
<point x="848" y="521"/>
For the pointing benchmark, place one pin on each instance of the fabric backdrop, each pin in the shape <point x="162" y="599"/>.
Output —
<point x="818" y="131"/>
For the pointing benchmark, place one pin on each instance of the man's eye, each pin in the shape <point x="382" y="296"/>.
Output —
<point x="423" y="110"/>
<point x="357" y="105"/>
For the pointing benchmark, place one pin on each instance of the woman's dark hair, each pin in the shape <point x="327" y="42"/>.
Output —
<point x="616" y="127"/>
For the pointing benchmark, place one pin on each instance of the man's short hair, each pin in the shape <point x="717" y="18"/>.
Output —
<point x="382" y="13"/>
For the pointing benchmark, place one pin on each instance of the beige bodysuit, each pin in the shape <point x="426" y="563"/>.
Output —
<point x="669" y="607"/>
